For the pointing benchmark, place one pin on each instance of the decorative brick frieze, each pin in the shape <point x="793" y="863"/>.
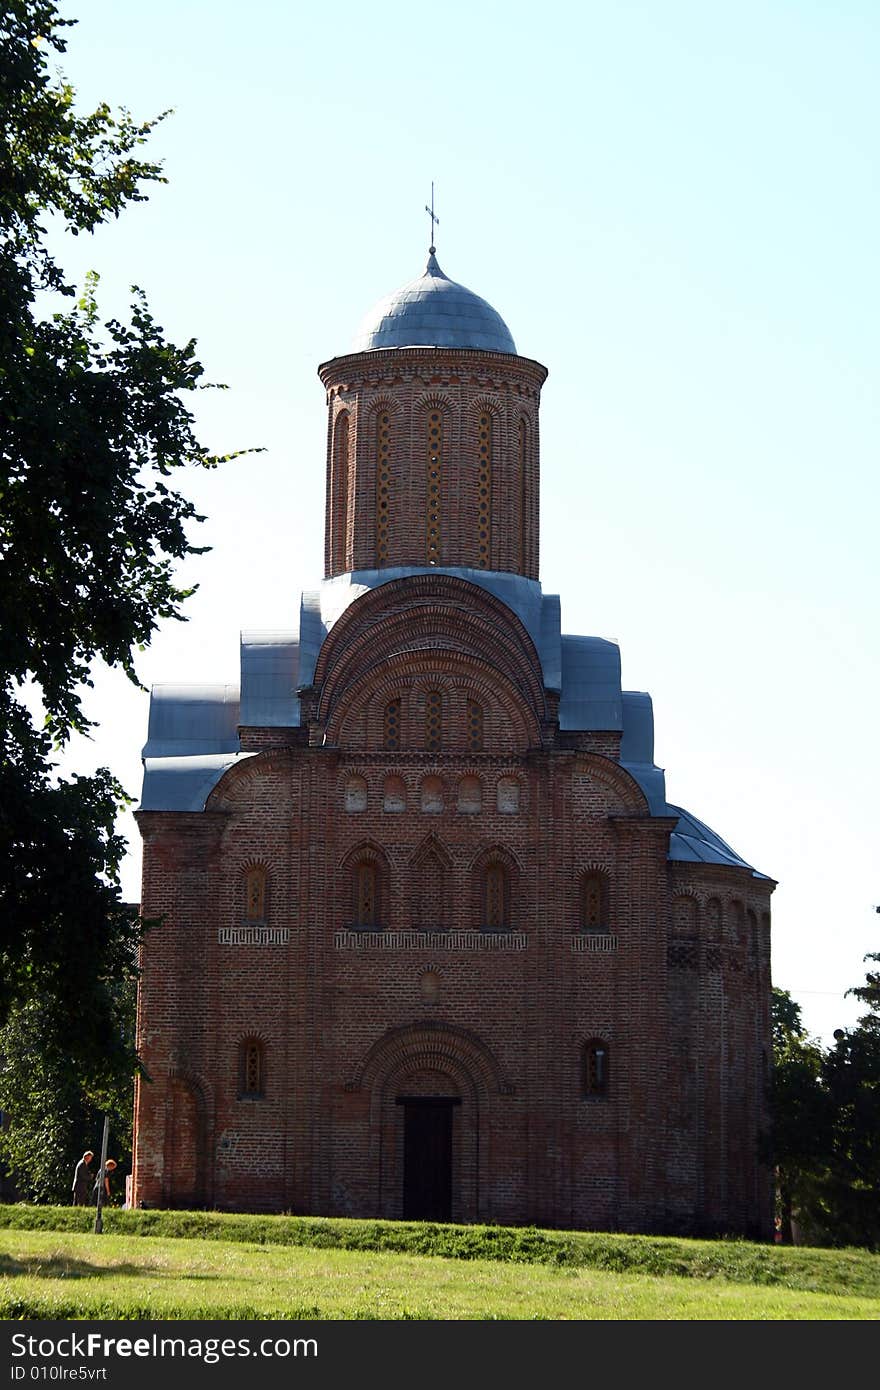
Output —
<point x="253" y="936"/>
<point x="355" y="940"/>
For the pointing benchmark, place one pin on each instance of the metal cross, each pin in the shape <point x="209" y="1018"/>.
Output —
<point x="434" y="220"/>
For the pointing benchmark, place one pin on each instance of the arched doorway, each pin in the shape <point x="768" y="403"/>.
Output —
<point x="431" y="1152"/>
<point x="434" y="1089"/>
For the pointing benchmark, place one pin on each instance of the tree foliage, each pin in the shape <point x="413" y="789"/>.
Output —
<point x="93" y="425"/>
<point x="826" y="1125"/>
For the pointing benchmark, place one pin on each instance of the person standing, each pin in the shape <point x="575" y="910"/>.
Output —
<point x="109" y="1169"/>
<point x="83" y="1180"/>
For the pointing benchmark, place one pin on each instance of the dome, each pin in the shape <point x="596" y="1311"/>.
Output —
<point x="433" y="311"/>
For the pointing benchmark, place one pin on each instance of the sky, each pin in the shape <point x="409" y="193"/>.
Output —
<point x="675" y="208"/>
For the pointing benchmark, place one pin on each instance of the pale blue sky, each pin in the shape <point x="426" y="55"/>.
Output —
<point x="675" y="207"/>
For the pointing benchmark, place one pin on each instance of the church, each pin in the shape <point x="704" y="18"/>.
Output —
<point x="434" y="944"/>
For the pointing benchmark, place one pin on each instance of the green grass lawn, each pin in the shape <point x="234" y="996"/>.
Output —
<point x="209" y="1265"/>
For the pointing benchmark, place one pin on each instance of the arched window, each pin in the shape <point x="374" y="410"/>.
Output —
<point x="597" y="1071"/>
<point x="383" y="485"/>
<point x="433" y="721"/>
<point x="252" y="1068"/>
<point x="432" y="795"/>
<point x="484" y="491"/>
<point x="470" y="796"/>
<point x="496" y="897"/>
<point x="507" y="796"/>
<point x="715" y="917"/>
<point x="594" y="901"/>
<point x="394" y="794"/>
<point x="366" y="889"/>
<point x="355" y="794"/>
<point x="391" y="726"/>
<point x="754" y="940"/>
<point x="474" y="726"/>
<point x="522" y="451"/>
<point x="434" y="479"/>
<point x="340" y="490"/>
<point x="255" y="894"/>
<point x="684" y="916"/>
<point x="429" y="893"/>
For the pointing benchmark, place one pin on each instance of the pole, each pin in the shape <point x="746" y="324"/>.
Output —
<point x="99" y="1223"/>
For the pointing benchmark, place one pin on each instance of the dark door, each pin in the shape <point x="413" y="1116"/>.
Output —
<point x="427" y="1157"/>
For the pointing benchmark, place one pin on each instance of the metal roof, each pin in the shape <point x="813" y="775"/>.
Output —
<point x="193" y="730"/>
<point x="433" y="311"/>
<point x="191" y="719"/>
<point x="538" y="612"/>
<point x="184" y="784"/>
<point x="692" y="841"/>
<point x="269" y="679"/>
<point x="591" y="696"/>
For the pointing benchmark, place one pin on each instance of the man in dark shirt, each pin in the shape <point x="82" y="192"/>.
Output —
<point x="83" y="1178"/>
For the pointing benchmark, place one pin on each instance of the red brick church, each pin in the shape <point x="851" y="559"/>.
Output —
<point x="435" y="945"/>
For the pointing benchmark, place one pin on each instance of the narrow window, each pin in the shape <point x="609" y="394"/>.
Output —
<point x="716" y="918"/>
<point x="366" y="913"/>
<point x="340" y="490"/>
<point x="684" y="916"/>
<point x="255" y="895"/>
<point x="522" y="450"/>
<point x="594" y="909"/>
<point x="394" y="795"/>
<point x="507" y="796"/>
<point x="434" y="480"/>
<point x="252" y="1068"/>
<point x="355" y="795"/>
<point x="596" y="1068"/>
<point x="383" y="485"/>
<point x="433" y="721"/>
<point x="754" y="942"/>
<point x="391" y="726"/>
<point x="432" y="795"/>
<point x="484" y="490"/>
<point x="470" y="796"/>
<point x="474" y="726"/>
<point x="495" y="898"/>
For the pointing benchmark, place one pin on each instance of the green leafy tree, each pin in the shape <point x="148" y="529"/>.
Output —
<point x="850" y="1192"/>
<point x="800" y="1113"/>
<point x="93" y="426"/>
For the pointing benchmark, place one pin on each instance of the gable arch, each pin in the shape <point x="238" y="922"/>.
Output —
<point x="433" y="1046"/>
<point x="422" y="625"/>
<point x="619" y="785"/>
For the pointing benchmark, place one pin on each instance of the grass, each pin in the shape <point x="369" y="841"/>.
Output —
<point x="212" y="1265"/>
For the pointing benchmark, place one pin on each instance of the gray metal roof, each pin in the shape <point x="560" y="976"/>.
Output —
<point x="191" y="719"/>
<point x="693" y="842"/>
<point x="538" y="612"/>
<point x="193" y="730"/>
<point x="433" y="311"/>
<point x="184" y="784"/>
<point x="591" y="696"/>
<point x="269" y="679"/>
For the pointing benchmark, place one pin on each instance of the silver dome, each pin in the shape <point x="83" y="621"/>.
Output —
<point x="433" y="311"/>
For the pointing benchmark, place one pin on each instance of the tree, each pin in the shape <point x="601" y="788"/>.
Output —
<point x="799" y="1112"/>
<point x="825" y="1141"/>
<point x="92" y="428"/>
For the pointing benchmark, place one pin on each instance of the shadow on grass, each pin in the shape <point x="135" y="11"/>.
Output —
<point x="63" y="1267"/>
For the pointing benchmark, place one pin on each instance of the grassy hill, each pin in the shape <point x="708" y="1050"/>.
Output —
<point x="152" y="1264"/>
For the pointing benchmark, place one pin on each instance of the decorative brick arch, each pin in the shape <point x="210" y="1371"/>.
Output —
<point x="465" y="1069"/>
<point x="430" y="885"/>
<point x="233" y="787"/>
<point x="185" y="1170"/>
<point x="427" y="622"/>
<point x="434" y="1046"/>
<point x="616" y="780"/>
